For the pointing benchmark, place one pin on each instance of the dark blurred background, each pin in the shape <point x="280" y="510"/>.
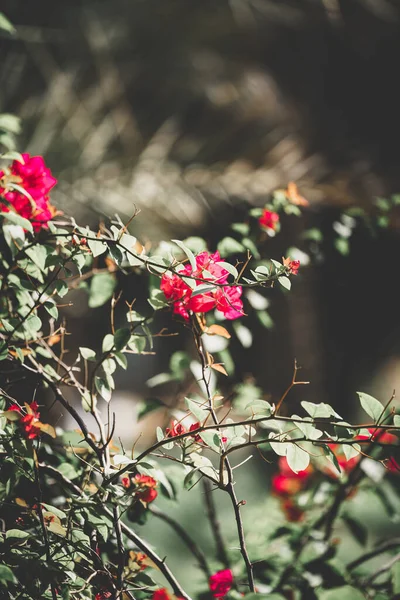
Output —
<point x="193" y="111"/>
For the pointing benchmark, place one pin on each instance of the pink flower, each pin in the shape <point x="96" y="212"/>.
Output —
<point x="37" y="181"/>
<point x="221" y="582"/>
<point x="226" y="299"/>
<point x="269" y="220"/>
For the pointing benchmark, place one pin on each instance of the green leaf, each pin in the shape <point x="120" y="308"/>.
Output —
<point x="371" y="405"/>
<point x="200" y="413"/>
<point x="88" y="402"/>
<point x="56" y="511"/>
<point x="196" y="244"/>
<point x="395" y="573"/>
<point x="345" y="592"/>
<point x="121" y="338"/>
<point x="230" y="268"/>
<point x="203" y="288"/>
<point x="307" y="428"/>
<point x="51" y="309"/>
<point x="108" y="342"/>
<point x="97" y="247"/>
<point x="16" y="219"/>
<point x="6" y="574"/>
<point x="16" y="534"/>
<point x="103" y="387"/>
<point x="5" y="24"/>
<point x="229" y="245"/>
<point x="265" y="319"/>
<point x="319" y="411"/>
<point x="66" y="469"/>
<point x="11" y="123"/>
<point x="61" y="288"/>
<point x="87" y="353"/>
<point x="137" y="344"/>
<point x="188" y="253"/>
<point x="342" y="246"/>
<point x="242" y="228"/>
<point x="211" y="439"/>
<point x="297" y="458"/>
<point x="285" y="282"/>
<point x="102" y="288"/>
<point x="351" y="451"/>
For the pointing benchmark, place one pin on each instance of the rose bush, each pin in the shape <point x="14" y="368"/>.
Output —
<point x="73" y="502"/>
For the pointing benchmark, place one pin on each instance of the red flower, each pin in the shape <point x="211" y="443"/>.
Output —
<point x="269" y="220"/>
<point x="147" y="495"/>
<point x="175" y="429"/>
<point x="103" y="595"/>
<point x="37" y="181"/>
<point x="221" y="582"/>
<point x="145" y="488"/>
<point x="226" y="299"/>
<point x="30" y="421"/>
<point x="194" y="427"/>
<point x="126" y="482"/>
<point x="287" y="484"/>
<point x="161" y="594"/>
<point x="291" y="265"/>
<point x="292" y="512"/>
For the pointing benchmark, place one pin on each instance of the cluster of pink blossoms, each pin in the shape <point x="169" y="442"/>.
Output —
<point x="226" y="299"/>
<point x="36" y="179"/>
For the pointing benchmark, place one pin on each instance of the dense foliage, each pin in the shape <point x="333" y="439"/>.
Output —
<point x="73" y="501"/>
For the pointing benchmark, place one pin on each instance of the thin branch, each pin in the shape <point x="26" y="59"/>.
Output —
<point x="222" y="554"/>
<point x="190" y="542"/>
<point x="395" y="543"/>
<point x="229" y="487"/>
<point x="144" y="547"/>
<point x="121" y="551"/>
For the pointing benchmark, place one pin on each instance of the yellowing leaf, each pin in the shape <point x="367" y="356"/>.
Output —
<point x="46" y="428"/>
<point x="21" y="502"/>
<point x="218" y="330"/>
<point x="11" y="415"/>
<point x="220" y="368"/>
<point x="292" y="194"/>
<point x="57" y="529"/>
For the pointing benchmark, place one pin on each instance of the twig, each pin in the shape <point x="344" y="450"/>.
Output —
<point x="121" y="551"/>
<point x="142" y="545"/>
<point x="292" y="384"/>
<point x="190" y="543"/>
<point x="372" y="553"/>
<point x="222" y="554"/>
<point x="229" y="487"/>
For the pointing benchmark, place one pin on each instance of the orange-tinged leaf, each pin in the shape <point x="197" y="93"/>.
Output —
<point x="110" y="264"/>
<point x="24" y="351"/>
<point x="21" y="502"/>
<point x="218" y="330"/>
<point x="46" y="428"/>
<point x="220" y="368"/>
<point x="292" y="194"/>
<point x="54" y="339"/>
